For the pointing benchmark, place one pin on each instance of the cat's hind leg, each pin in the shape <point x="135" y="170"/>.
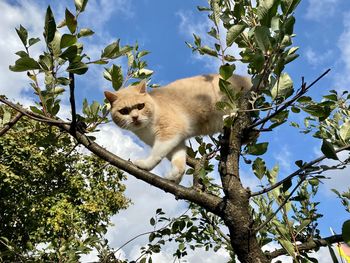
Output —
<point x="178" y="163"/>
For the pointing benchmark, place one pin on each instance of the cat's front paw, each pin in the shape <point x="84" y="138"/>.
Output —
<point x="175" y="178"/>
<point x="143" y="164"/>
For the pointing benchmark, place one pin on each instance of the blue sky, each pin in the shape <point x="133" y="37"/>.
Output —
<point x="162" y="27"/>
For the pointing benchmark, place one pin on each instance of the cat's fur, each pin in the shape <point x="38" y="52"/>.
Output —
<point x="165" y="117"/>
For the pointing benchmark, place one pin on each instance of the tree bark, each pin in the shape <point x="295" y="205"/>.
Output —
<point x="235" y="212"/>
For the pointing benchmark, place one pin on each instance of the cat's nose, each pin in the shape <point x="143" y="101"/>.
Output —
<point x="134" y="118"/>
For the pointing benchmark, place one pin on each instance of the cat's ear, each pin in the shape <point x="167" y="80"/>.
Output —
<point x="142" y="86"/>
<point x="110" y="96"/>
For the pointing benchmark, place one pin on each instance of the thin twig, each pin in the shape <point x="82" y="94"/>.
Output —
<point x="280" y="207"/>
<point x="72" y="101"/>
<point x="290" y="102"/>
<point x="10" y="124"/>
<point x="297" y="172"/>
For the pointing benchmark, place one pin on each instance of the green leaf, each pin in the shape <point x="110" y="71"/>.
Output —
<point x="71" y="21"/>
<point x="286" y="185"/>
<point x="151" y="237"/>
<point x="77" y="68"/>
<point x="152" y="221"/>
<point x="328" y="150"/>
<point x="216" y="11"/>
<point x="289" y="25"/>
<point x="258" y="149"/>
<point x="45" y="62"/>
<point x="263" y="8"/>
<point x="117" y="77"/>
<point x="259" y="168"/>
<point x="33" y="41"/>
<point x="197" y="40"/>
<point x="35" y="110"/>
<point x="70" y="53"/>
<point x="275" y="23"/>
<point x="80" y="5"/>
<point x="6" y="117"/>
<point x="288" y="246"/>
<point x="207" y="50"/>
<point x="50" y="26"/>
<point x="233" y="32"/>
<point x="288" y="6"/>
<point x="68" y="40"/>
<point x="55" y="44"/>
<point x="226" y="71"/>
<point x="283" y="87"/>
<point x="84" y="32"/>
<point x="345" y="232"/>
<point x="23" y="34"/>
<point x="22" y="54"/>
<point x="24" y="64"/>
<point x="261" y="36"/>
<point x="110" y="50"/>
<point x="344" y="131"/>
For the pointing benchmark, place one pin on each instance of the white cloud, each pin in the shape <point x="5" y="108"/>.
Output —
<point x="316" y="59"/>
<point x="284" y="159"/>
<point x="319" y="10"/>
<point x="342" y="78"/>
<point x="30" y="15"/>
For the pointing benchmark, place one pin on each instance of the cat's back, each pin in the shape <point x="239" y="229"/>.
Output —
<point x="202" y="89"/>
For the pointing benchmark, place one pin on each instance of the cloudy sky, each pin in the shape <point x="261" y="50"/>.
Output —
<point x="162" y="27"/>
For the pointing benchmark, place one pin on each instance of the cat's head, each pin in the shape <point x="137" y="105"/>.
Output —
<point x="132" y="108"/>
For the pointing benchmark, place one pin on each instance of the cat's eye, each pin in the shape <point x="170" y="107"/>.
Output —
<point x="124" y="111"/>
<point x="140" y="106"/>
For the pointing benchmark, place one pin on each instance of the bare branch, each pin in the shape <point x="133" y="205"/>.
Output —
<point x="298" y="172"/>
<point x="10" y="124"/>
<point x="308" y="245"/>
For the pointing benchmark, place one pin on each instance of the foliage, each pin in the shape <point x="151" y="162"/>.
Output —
<point x="284" y="211"/>
<point x="55" y="201"/>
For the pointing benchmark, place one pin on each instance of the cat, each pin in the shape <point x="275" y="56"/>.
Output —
<point x="165" y="117"/>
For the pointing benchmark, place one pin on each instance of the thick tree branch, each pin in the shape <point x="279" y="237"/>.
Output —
<point x="302" y="91"/>
<point x="10" y="124"/>
<point x="208" y="201"/>
<point x="298" y="172"/>
<point x="309" y="245"/>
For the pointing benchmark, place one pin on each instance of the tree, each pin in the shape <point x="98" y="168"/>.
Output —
<point x="51" y="194"/>
<point x="284" y="210"/>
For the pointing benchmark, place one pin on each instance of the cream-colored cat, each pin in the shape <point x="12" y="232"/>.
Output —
<point x="165" y="117"/>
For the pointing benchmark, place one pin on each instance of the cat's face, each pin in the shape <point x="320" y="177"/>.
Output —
<point x="131" y="108"/>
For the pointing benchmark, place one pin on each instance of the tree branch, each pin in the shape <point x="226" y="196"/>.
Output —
<point x="298" y="172"/>
<point x="308" y="245"/>
<point x="303" y="90"/>
<point x="30" y="114"/>
<point x="10" y="124"/>
<point x="72" y="101"/>
<point x="208" y="201"/>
